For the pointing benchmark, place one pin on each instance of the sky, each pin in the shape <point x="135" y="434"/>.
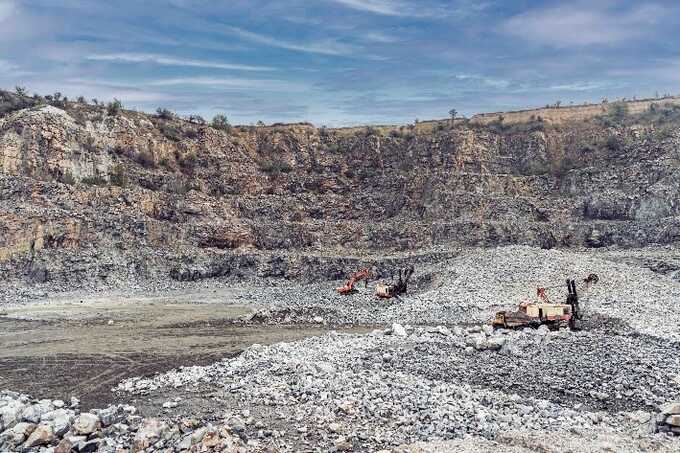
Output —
<point x="340" y="62"/>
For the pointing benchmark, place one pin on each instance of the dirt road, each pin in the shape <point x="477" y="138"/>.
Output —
<point x="84" y="348"/>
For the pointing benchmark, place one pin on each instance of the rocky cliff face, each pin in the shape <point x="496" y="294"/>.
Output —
<point x="98" y="198"/>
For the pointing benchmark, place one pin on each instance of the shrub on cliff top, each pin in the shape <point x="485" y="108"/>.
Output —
<point x="165" y="113"/>
<point x="114" y="108"/>
<point x="220" y="122"/>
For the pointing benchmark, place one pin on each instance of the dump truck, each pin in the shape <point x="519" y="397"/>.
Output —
<point x="545" y="312"/>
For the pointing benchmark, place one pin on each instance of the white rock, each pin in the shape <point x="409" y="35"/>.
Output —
<point x="86" y="423"/>
<point x="10" y="414"/>
<point x="398" y="330"/>
<point x="19" y="432"/>
<point x="443" y="330"/>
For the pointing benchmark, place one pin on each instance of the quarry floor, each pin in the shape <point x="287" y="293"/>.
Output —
<point x="83" y="346"/>
<point x="365" y="386"/>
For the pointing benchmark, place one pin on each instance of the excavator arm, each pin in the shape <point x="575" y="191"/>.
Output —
<point x="348" y="288"/>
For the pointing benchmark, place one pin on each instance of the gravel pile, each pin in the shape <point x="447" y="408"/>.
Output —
<point x="473" y="286"/>
<point x="404" y="385"/>
<point x="48" y="426"/>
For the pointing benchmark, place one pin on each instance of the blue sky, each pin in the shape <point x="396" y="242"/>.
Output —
<point x="340" y="62"/>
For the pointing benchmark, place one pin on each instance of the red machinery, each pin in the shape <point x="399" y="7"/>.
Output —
<point x="363" y="274"/>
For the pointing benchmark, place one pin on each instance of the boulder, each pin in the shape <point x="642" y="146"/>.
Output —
<point x="64" y="446"/>
<point x="10" y="414"/>
<point x="211" y="439"/>
<point x="61" y="420"/>
<point x="398" y="330"/>
<point x="110" y="415"/>
<point x="41" y="435"/>
<point x="86" y="423"/>
<point x="495" y="343"/>
<point x="20" y="432"/>
<point x="442" y="330"/>
<point x="150" y="432"/>
<point x="342" y="444"/>
<point x="34" y="412"/>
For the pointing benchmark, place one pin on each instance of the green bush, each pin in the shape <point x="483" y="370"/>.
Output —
<point x="114" y="108"/>
<point x="220" y="122"/>
<point x="171" y="132"/>
<point x="165" y="113"/>
<point x="10" y="102"/>
<point x="117" y="177"/>
<point x="95" y="180"/>
<point x="67" y="178"/>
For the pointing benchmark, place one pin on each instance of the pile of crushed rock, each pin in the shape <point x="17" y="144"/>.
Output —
<point x="410" y="384"/>
<point x="471" y="287"/>
<point x="51" y="426"/>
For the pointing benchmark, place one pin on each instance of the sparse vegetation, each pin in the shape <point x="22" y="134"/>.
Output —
<point x="220" y="122"/>
<point x="187" y="161"/>
<point x="164" y="113"/>
<point x="94" y="180"/>
<point x="191" y="134"/>
<point x="117" y="177"/>
<point x="145" y="158"/>
<point x="114" y="108"/>
<point x="171" y="132"/>
<point x="371" y="131"/>
<point x="66" y="178"/>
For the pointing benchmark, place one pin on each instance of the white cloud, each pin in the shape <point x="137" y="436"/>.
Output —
<point x="422" y="9"/>
<point x="488" y="81"/>
<point x="384" y="7"/>
<point x="259" y="84"/>
<point x="578" y="86"/>
<point x="583" y="24"/>
<point x="380" y="37"/>
<point x="325" y="47"/>
<point x="172" y="61"/>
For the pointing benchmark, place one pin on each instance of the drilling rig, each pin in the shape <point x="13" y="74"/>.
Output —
<point x="545" y="312"/>
<point x="389" y="290"/>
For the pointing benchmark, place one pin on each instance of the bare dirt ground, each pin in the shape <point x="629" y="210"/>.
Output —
<point x="84" y="347"/>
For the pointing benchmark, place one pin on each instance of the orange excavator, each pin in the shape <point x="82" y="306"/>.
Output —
<point x="363" y="274"/>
